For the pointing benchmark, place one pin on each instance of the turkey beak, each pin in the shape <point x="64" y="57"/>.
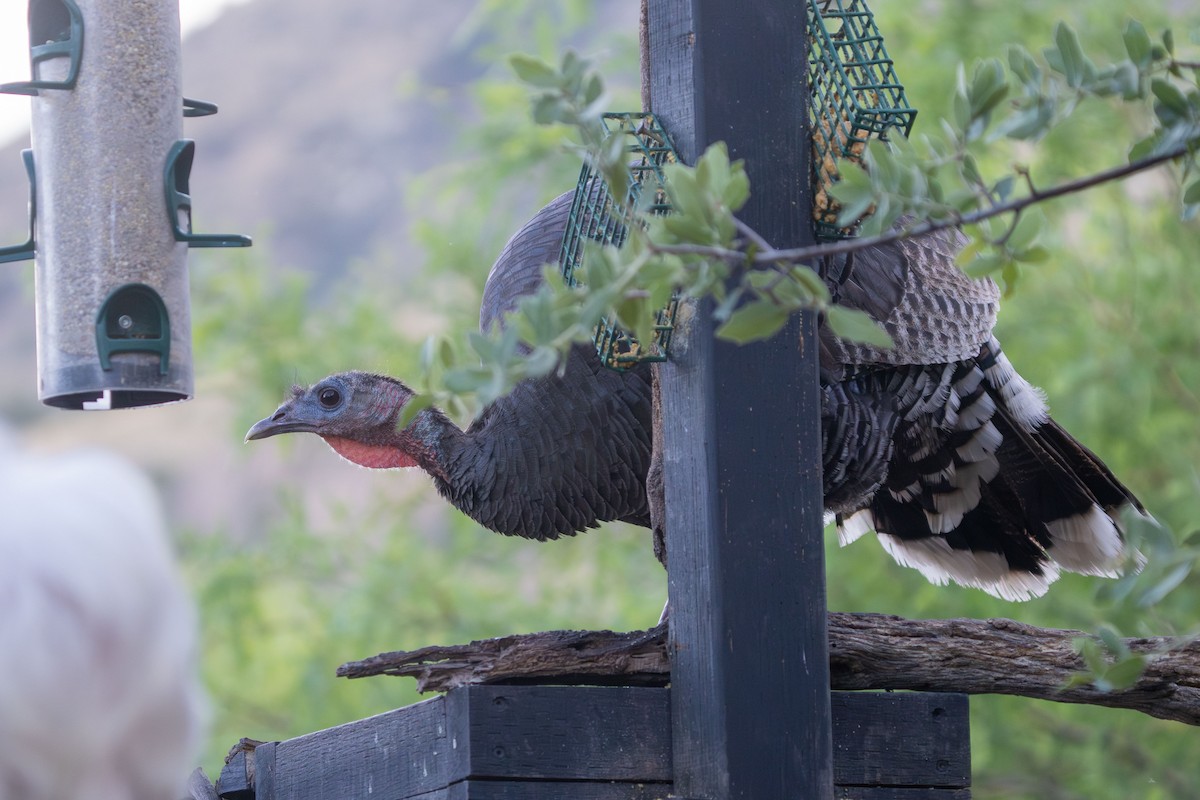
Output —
<point x="282" y="421"/>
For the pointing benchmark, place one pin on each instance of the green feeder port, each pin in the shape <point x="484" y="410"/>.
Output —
<point x="854" y="95"/>
<point x="25" y="250"/>
<point x="134" y="320"/>
<point x="176" y="176"/>
<point x="598" y="216"/>
<point x="55" y="31"/>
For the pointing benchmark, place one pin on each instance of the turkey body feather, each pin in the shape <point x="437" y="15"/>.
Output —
<point x="936" y="444"/>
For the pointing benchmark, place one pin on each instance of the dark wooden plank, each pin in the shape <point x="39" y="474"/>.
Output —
<point x="599" y="733"/>
<point x="264" y="771"/>
<point x="741" y="435"/>
<point x="561" y="732"/>
<point x="908" y="739"/>
<point x="555" y="790"/>
<point x="234" y="782"/>
<point x="563" y="736"/>
<point x="394" y="755"/>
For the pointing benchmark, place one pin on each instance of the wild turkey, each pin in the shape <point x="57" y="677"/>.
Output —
<point x="937" y="444"/>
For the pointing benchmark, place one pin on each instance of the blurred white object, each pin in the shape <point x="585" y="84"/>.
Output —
<point x="99" y="696"/>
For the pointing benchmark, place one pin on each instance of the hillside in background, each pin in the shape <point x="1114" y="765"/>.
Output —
<point x="329" y="112"/>
<point x="326" y="111"/>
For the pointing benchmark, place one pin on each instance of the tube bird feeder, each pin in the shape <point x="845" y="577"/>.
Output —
<point x="110" y="213"/>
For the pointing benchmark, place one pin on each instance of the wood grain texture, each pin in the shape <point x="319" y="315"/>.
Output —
<point x="235" y="781"/>
<point x="562" y="733"/>
<point x="866" y="651"/>
<point x="741" y="447"/>
<point x="586" y="743"/>
<point x="409" y="748"/>
<point x="911" y="739"/>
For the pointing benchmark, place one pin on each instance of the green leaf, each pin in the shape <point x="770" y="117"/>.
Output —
<point x="1034" y="255"/>
<point x="811" y="282"/>
<point x="1074" y="62"/>
<point x="1028" y="123"/>
<point x="1127" y="81"/>
<point x="759" y="319"/>
<point x="856" y="326"/>
<point x="713" y="167"/>
<point x="534" y="71"/>
<point x="437" y="351"/>
<point x="1191" y="195"/>
<point x="1112" y="641"/>
<point x="1170" y="96"/>
<point x="1076" y="680"/>
<point x="1026" y="230"/>
<point x="573" y="67"/>
<point x="549" y="109"/>
<point x="415" y="405"/>
<point x="465" y="380"/>
<point x="1089" y="650"/>
<point x="1024" y="66"/>
<point x="1145" y="148"/>
<point x="1003" y="188"/>
<point x="969" y="253"/>
<point x="737" y="190"/>
<point x="1137" y="43"/>
<point x="1168" y="584"/>
<point x="687" y="229"/>
<point x="593" y="91"/>
<point x="988" y="87"/>
<point x="1010" y="273"/>
<point x="962" y="102"/>
<point x="727" y="304"/>
<point x="1125" y="673"/>
<point x="541" y="361"/>
<point x="855" y="192"/>
<point x="985" y="264"/>
<point x="686" y="197"/>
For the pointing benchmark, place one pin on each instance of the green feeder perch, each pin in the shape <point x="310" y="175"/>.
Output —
<point x="854" y="95"/>
<point x="597" y="215"/>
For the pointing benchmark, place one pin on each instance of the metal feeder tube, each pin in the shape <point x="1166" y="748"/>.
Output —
<point x="113" y="318"/>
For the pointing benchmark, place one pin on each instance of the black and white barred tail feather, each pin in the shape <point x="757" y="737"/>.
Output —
<point x="981" y="487"/>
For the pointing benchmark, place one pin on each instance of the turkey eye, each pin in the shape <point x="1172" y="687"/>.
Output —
<point x="329" y="397"/>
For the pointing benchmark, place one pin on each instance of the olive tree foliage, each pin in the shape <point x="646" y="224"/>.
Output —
<point x="901" y="188"/>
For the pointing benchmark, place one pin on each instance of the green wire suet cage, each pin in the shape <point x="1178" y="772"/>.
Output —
<point x="598" y="216"/>
<point x="854" y="95"/>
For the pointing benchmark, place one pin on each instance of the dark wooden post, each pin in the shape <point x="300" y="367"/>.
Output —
<point x="750" y="666"/>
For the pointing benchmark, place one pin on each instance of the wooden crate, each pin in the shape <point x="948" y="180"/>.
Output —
<point x="586" y="743"/>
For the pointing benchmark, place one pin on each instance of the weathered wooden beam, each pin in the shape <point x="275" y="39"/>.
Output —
<point x="741" y="432"/>
<point x="866" y="651"/>
<point x="585" y="743"/>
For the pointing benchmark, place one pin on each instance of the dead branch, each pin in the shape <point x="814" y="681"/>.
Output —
<point x="866" y="651"/>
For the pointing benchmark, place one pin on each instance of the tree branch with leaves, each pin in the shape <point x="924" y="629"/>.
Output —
<point x="902" y="188"/>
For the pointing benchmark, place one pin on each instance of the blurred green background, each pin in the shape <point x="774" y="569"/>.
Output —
<point x="301" y="562"/>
